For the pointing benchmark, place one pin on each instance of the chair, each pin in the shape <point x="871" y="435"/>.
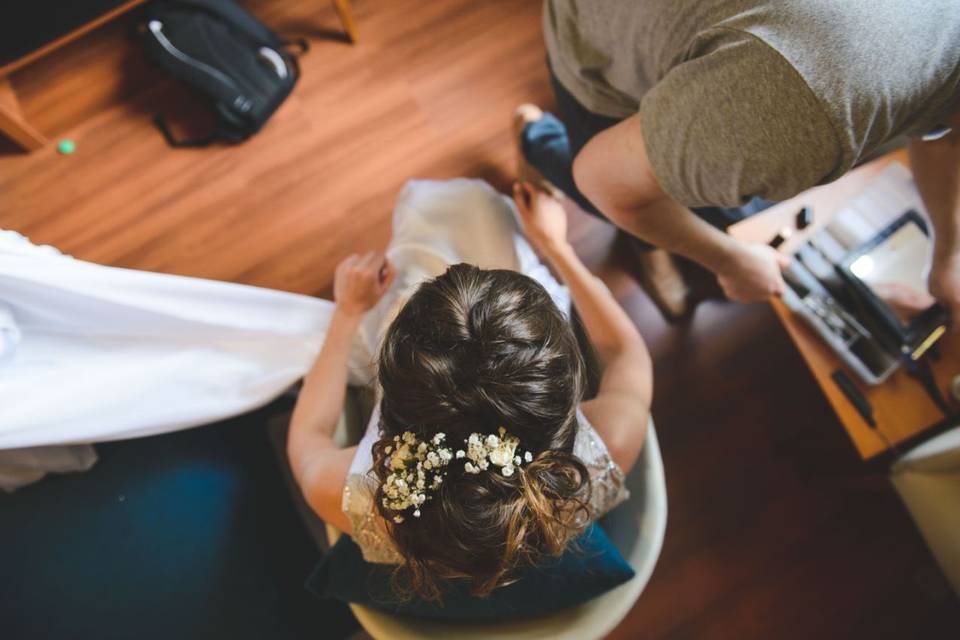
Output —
<point x="928" y="480"/>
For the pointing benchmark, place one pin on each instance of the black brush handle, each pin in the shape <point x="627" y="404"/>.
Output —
<point x="855" y="397"/>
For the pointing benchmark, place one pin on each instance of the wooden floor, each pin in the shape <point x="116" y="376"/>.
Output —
<point x="776" y="529"/>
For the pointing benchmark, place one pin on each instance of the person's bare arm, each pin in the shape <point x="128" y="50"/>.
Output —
<point x="621" y="410"/>
<point x="318" y="465"/>
<point x="936" y="170"/>
<point x="614" y="173"/>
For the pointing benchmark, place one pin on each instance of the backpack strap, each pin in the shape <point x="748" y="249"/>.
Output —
<point x="184" y="143"/>
<point x="300" y="45"/>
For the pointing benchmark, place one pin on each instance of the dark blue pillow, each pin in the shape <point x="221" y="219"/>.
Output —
<point x="589" y="567"/>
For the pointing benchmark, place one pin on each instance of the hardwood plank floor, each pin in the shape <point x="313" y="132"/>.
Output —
<point x="776" y="529"/>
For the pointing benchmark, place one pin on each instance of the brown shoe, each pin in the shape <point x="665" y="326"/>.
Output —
<point x="660" y="277"/>
<point x="524" y="115"/>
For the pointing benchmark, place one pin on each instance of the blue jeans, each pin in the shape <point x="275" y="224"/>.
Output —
<point x="551" y="144"/>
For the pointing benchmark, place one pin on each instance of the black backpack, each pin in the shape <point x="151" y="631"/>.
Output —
<point x="226" y="54"/>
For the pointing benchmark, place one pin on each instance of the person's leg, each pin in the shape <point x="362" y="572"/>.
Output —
<point x="582" y="124"/>
<point x="544" y="149"/>
<point x="550" y="144"/>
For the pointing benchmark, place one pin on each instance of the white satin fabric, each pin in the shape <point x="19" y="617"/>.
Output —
<point x="106" y="353"/>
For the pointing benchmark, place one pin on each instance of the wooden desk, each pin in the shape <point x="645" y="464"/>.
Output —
<point x="902" y="408"/>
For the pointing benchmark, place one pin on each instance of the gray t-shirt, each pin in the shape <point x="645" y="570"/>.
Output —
<point x="743" y="98"/>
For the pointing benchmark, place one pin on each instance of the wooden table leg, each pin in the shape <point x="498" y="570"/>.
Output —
<point x="345" y="11"/>
<point x="12" y="123"/>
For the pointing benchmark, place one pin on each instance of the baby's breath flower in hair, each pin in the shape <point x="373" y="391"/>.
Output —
<point x="499" y="450"/>
<point x="416" y="467"/>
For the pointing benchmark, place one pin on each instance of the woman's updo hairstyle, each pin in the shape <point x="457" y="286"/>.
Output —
<point x="472" y="351"/>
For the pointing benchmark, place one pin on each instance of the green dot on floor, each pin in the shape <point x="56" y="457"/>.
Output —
<point x="66" y="146"/>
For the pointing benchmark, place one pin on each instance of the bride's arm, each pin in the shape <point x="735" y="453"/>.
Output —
<point x="318" y="465"/>
<point x="621" y="410"/>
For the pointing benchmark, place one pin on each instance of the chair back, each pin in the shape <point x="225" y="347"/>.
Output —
<point x="928" y="480"/>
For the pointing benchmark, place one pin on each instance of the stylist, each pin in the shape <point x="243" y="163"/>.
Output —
<point x="682" y="112"/>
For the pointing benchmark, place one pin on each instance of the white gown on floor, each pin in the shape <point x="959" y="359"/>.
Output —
<point x="91" y="353"/>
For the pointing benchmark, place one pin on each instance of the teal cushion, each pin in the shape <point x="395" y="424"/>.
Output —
<point x="590" y="567"/>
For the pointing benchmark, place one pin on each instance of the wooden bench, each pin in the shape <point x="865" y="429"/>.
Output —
<point x="15" y="126"/>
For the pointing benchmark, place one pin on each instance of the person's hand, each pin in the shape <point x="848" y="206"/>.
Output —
<point x="944" y="285"/>
<point x="905" y="301"/>
<point x="753" y="273"/>
<point x="361" y="281"/>
<point x="543" y="216"/>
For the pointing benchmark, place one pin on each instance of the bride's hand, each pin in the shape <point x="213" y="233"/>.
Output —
<point x="543" y="216"/>
<point x="361" y="281"/>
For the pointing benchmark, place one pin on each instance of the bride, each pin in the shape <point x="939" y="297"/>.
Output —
<point x="482" y="455"/>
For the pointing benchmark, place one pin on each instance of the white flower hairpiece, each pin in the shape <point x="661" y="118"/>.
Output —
<point x="417" y="467"/>
<point x="498" y="450"/>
